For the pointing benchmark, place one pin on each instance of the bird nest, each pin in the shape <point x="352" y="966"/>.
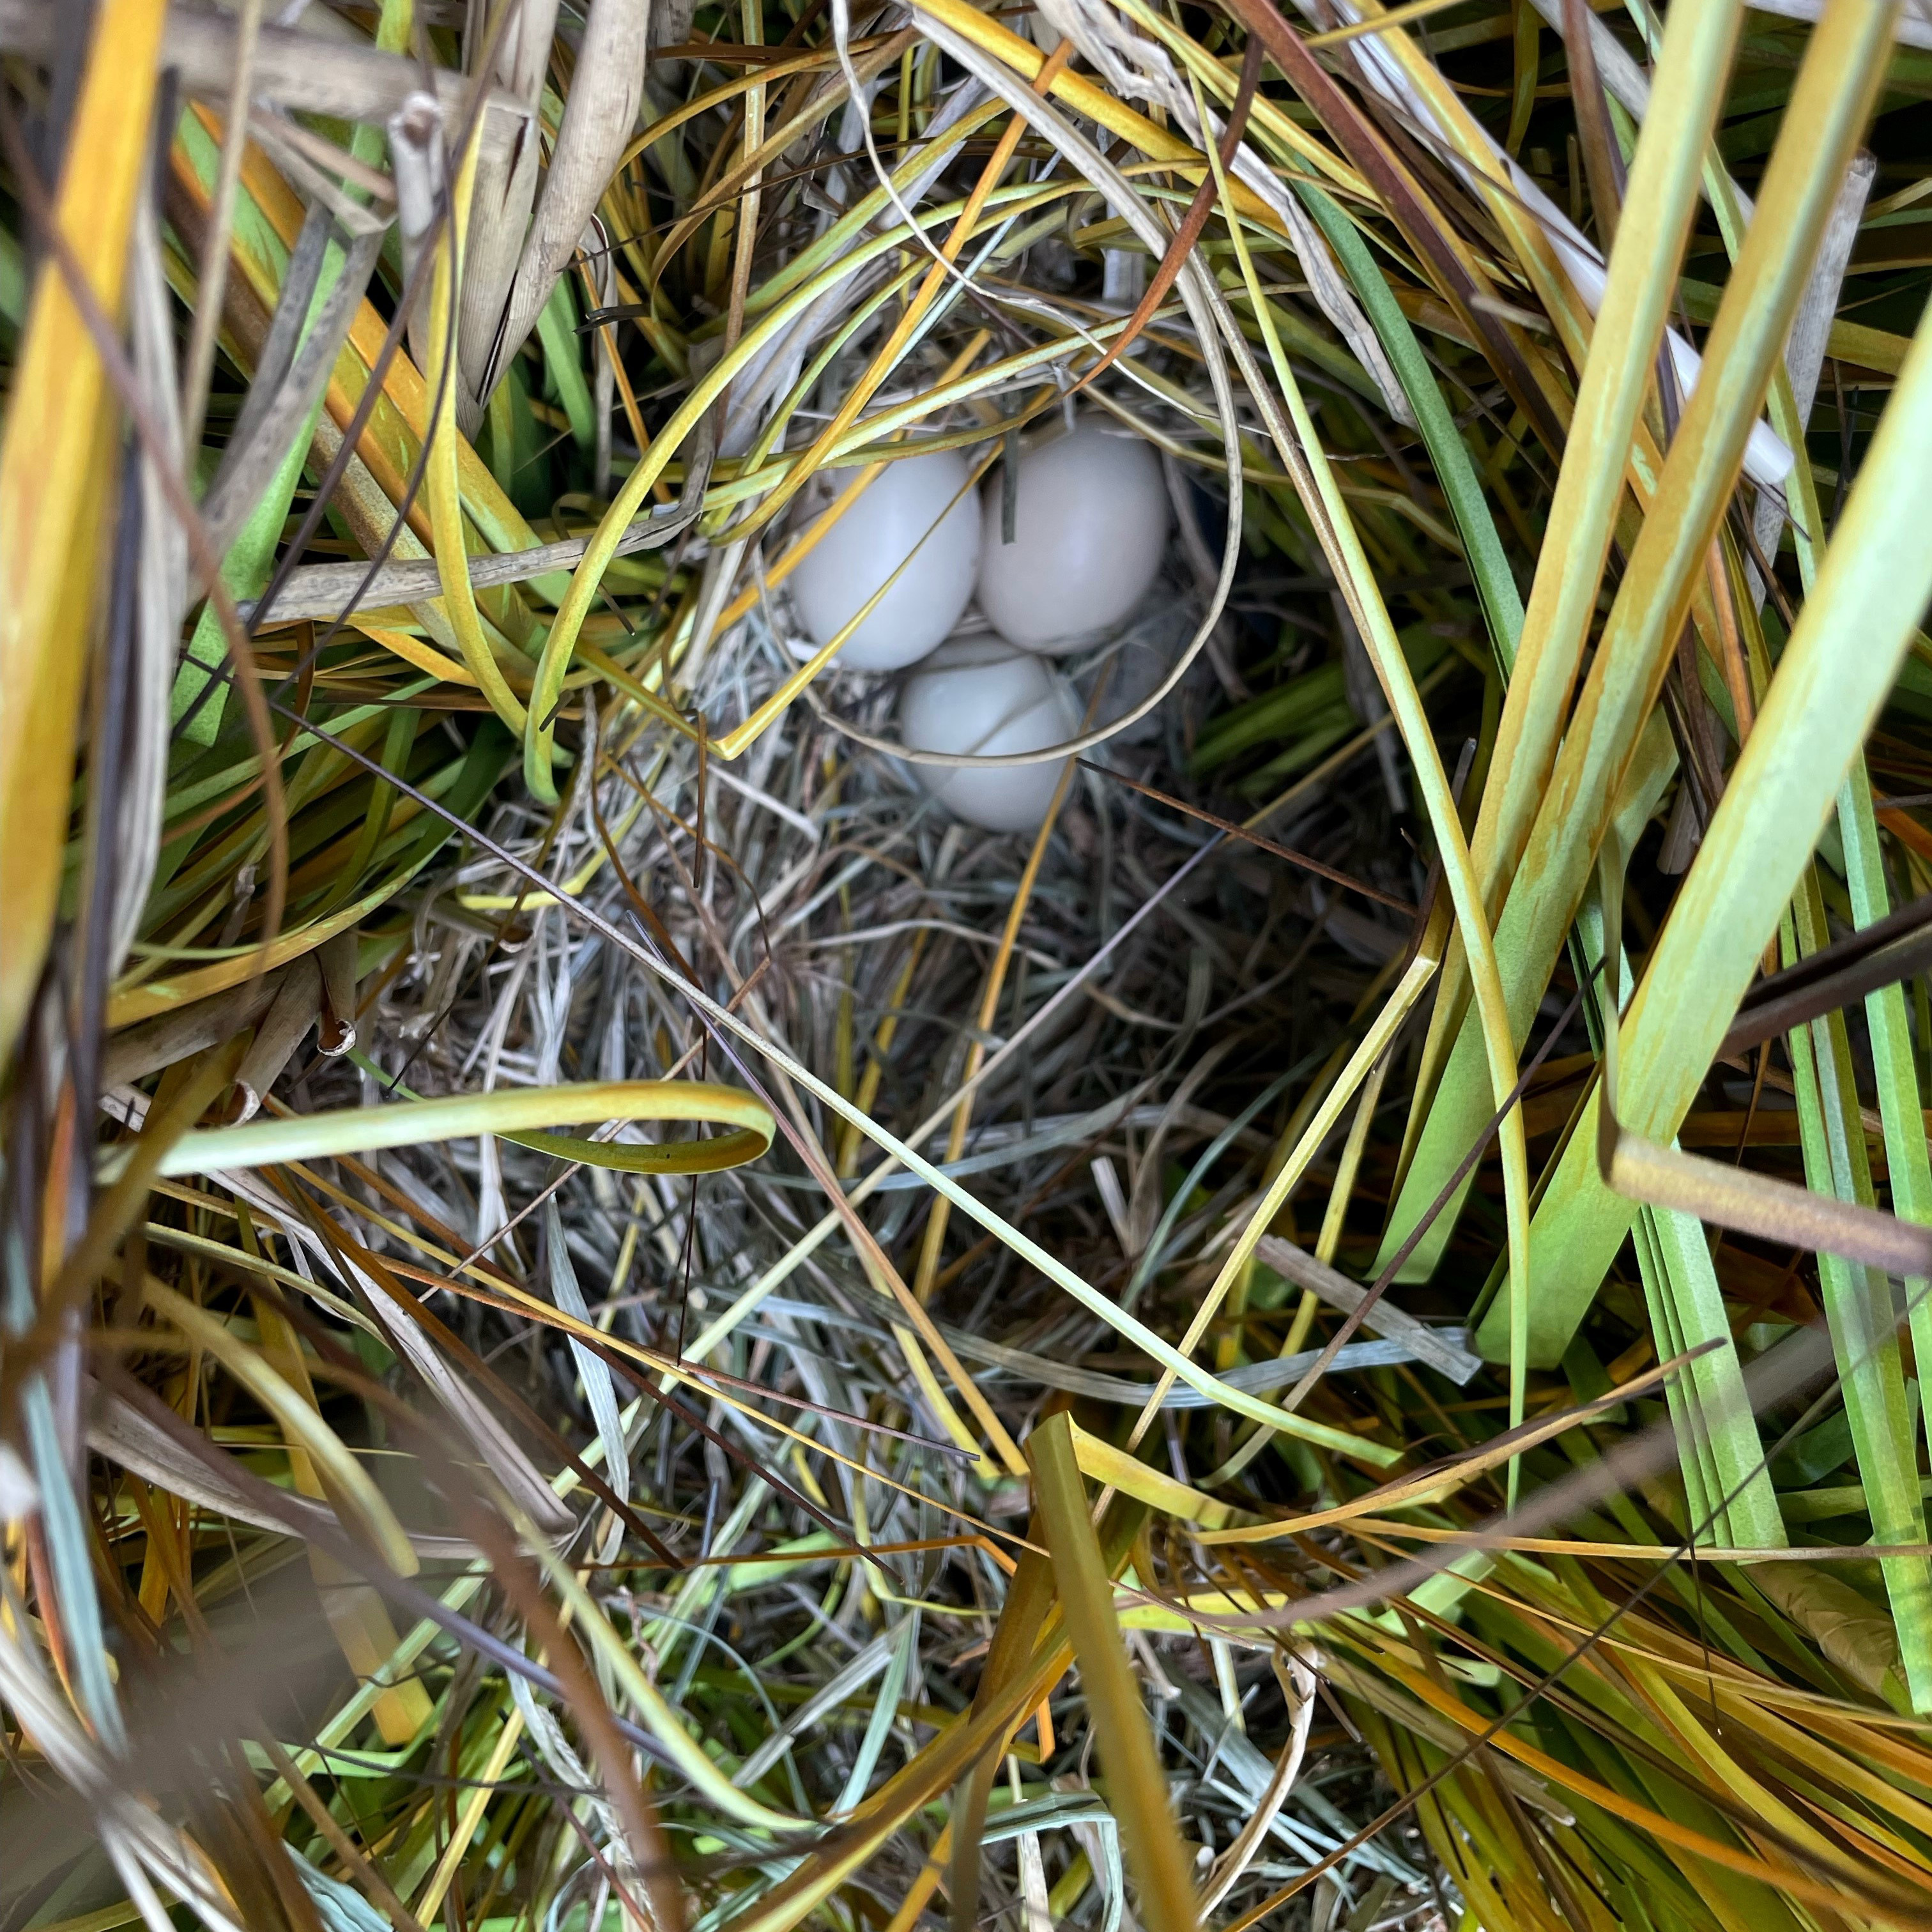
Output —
<point x="657" y="1272"/>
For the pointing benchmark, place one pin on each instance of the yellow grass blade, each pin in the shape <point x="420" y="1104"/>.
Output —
<point x="56" y="462"/>
<point x="1137" y="1789"/>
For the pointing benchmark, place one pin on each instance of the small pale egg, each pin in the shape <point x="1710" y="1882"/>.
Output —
<point x="915" y="514"/>
<point x="1089" y="529"/>
<point x="980" y="695"/>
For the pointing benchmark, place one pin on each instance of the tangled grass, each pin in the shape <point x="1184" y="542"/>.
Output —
<point x="609" y="1319"/>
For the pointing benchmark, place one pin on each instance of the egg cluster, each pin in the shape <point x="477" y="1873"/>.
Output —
<point x="1088" y="523"/>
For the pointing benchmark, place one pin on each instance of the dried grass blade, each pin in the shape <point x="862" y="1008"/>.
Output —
<point x="1757" y="1204"/>
<point x="598" y="120"/>
<point x="304" y="1428"/>
<point x="1137" y="1789"/>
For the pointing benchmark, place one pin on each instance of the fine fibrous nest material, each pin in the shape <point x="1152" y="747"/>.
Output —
<point x="609" y="1318"/>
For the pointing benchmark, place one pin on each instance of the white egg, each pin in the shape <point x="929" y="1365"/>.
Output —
<point x="1089" y="529"/>
<point x="914" y="510"/>
<point x="980" y="695"/>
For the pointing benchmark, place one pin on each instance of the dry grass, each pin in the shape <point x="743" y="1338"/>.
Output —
<point x="608" y="1318"/>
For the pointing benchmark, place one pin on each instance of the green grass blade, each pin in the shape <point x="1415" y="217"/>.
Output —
<point x="1894" y="1068"/>
<point x="556" y="331"/>
<point x="1717" y="1430"/>
<point x="1328" y="511"/>
<point x="245" y="570"/>
<point x="1691" y="76"/>
<point x="885" y="1709"/>
<point x="1836" y="670"/>
<point x="1858" y="1306"/>
<point x="1830" y="105"/>
<point x="1901" y="1108"/>
<point x="522" y="1110"/>
<point x="1692" y="71"/>
<point x="1725" y="1483"/>
<point x="1495" y="584"/>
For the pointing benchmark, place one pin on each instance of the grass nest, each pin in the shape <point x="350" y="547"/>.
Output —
<point x="612" y="1319"/>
